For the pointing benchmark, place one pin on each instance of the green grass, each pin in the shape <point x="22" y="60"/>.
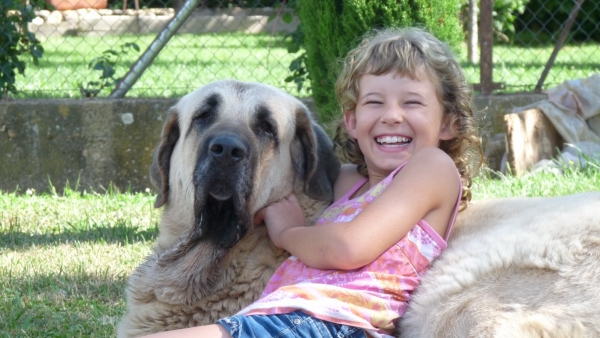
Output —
<point x="520" y="68"/>
<point x="65" y="259"/>
<point x="189" y="61"/>
<point x="538" y="184"/>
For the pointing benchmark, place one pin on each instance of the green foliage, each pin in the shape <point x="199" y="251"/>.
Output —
<point x="299" y="72"/>
<point x="505" y="15"/>
<point x="332" y="28"/>
<point x="15" y="40"/>
<point x="105" y="65"/>
<point x="295" y="44"/>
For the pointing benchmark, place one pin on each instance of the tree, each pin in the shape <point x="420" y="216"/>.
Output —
<point x="331" y="28"/>
<point x="15" y="40"/>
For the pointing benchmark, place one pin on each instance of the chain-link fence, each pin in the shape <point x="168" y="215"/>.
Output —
<point x="520" y="57"/>
<point x="87" y="48"/>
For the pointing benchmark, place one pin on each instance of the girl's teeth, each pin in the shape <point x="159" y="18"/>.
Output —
<point x="392" y="139"/>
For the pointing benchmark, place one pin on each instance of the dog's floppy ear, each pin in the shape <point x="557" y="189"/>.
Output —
<point x="161" y="161"/>
<point x="313" y="157"/>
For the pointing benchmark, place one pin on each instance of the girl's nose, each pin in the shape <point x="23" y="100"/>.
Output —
<point x="393" y="114"/>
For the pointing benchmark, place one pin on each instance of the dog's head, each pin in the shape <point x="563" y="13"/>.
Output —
<point x="230" y="148"/>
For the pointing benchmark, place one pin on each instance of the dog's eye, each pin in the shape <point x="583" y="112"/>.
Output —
<point x="267" y="129"/>
<point x="202" y="115"/>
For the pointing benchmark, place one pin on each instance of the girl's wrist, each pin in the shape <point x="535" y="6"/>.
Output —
<point x="281" y="239"/>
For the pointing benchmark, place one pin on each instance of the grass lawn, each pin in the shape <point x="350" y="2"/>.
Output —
<point x="189" y="61"/>
<point x="65" y="259"/>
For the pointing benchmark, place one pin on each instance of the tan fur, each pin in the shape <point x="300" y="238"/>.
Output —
<point x="190" y="289"/>
<point x="516" y="267"/>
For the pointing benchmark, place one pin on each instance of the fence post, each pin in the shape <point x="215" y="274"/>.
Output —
<point x="486" y="43"/>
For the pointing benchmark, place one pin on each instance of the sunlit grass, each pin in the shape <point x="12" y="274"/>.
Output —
<point x="65" y="259"/>
<point x="563" y="178"/>
<point x="192" y="60"/>
<point x="187" y="62"/>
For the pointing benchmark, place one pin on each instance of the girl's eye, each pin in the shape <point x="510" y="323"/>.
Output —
<point x="412" y="103"/>
<point x="373" y="102"/>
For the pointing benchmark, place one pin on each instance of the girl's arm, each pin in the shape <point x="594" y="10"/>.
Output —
<point x="426" y="188"/>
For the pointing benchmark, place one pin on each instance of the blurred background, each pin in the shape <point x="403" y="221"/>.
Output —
<point x="83" y="46"/>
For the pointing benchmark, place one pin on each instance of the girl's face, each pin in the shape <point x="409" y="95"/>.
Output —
<point x="395" y="117"/>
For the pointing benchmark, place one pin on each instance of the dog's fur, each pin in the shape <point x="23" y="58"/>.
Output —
<point x="227" y="150"/>
<point x="515" y="267"/>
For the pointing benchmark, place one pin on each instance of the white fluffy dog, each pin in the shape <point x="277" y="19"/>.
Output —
<point x="515" y="267"/>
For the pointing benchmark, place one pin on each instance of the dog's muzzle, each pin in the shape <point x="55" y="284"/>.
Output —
<point x="223" y="183"/>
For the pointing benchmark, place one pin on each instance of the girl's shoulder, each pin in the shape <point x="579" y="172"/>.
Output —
<point x="347" y="178"/>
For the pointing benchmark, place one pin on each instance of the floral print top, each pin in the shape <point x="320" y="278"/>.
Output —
<point x="370" y="297"/>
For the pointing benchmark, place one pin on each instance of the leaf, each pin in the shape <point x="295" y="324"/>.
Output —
<point x="287" y="18"/>
<point x="293" y="48"/>
<point x="295" y="64"/>
<point x="99" y="65"/>
<point x="36" y="53"/>
<point x="108" y="73"/>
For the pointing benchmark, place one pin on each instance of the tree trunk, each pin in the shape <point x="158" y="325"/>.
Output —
<point x="472" y="31"/>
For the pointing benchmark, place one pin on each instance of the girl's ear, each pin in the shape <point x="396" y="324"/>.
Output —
<point x="447" y="129"/>
<point x="350" y="120"/>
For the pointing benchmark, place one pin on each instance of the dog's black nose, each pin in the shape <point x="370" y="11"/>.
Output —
<point x="227" y="148"/>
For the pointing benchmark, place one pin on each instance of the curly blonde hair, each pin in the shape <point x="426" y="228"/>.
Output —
<point x="409" y="52"/>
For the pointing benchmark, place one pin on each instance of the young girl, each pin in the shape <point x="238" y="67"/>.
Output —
<point x="407" y="127"/>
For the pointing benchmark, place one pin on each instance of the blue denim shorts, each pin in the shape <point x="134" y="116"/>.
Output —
<point x="288" y="325"/>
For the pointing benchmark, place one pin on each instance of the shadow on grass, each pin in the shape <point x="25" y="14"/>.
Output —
<point x="121" y="234"/>
<point x="62" y="304"/>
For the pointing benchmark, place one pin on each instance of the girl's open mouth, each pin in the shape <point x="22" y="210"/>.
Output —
<point x="396" y="141"/>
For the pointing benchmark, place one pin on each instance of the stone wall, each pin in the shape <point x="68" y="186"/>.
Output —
<point x="92" y="22"/>
<point x="99" y="141"/>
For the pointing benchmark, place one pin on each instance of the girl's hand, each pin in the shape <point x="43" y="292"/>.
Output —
<point x="281" y="216"/>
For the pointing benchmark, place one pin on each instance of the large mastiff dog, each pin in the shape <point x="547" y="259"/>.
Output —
<point x="227" y="150"/>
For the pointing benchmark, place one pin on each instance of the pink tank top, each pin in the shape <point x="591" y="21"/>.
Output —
<point x="370" y="297"/>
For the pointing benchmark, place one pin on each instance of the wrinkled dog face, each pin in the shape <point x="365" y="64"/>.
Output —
<point x="225" y="149"/>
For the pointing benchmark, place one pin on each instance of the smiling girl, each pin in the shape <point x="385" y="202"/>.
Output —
<point x="408" y="133"/>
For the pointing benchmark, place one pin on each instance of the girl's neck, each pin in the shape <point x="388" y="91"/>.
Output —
<point x="375" y="178"/>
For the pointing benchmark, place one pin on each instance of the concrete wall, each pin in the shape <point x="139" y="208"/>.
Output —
<point x="96" y="142"/>
<point x="101" y="22"/>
